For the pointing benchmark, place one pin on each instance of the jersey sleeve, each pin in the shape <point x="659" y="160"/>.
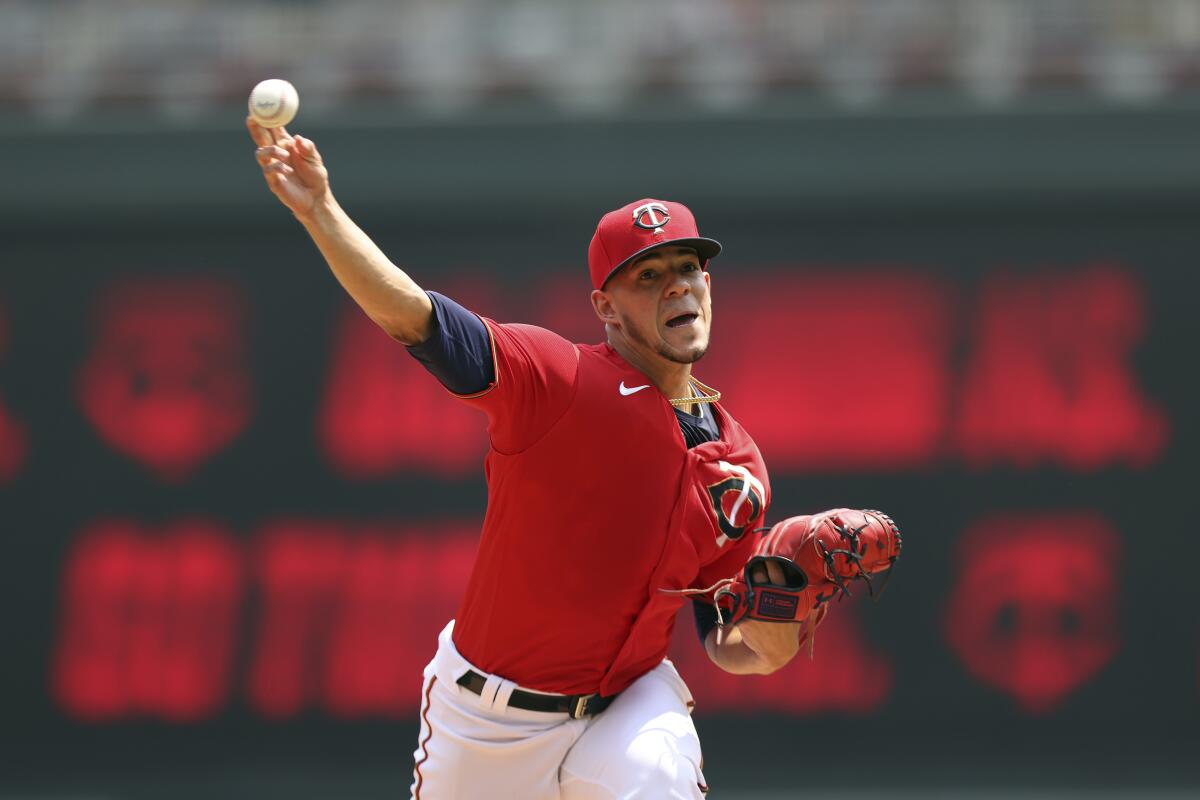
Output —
<point x="458" y="351"/>
<point x="536" y="373"/>
<point x="728" y="564"/>
<point x="522" y="376"/>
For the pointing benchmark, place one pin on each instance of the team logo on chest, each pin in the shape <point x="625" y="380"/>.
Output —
<point x="737" y="500"/>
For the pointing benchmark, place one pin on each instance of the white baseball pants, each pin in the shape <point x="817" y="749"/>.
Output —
<point x="473" y="746"/>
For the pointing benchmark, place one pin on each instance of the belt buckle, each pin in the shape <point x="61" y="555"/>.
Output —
<point x="579" y="705"/>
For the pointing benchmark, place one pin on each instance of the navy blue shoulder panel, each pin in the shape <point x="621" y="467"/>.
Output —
<point x="459" y="351"/>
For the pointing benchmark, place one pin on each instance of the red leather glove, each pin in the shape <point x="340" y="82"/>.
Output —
<point x="819" y="555"/>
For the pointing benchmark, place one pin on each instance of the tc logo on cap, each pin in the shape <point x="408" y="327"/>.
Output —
<point x="646" y="216"/>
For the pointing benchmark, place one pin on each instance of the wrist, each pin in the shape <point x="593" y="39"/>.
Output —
<point x="324" y="211"/>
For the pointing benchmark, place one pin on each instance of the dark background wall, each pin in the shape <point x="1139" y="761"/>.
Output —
<point x="236" y="515"/>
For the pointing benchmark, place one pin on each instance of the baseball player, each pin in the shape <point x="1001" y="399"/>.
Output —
<point x="618" y="487"/>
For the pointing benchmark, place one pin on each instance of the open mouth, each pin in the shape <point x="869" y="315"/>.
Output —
<point x="681" y="320"/>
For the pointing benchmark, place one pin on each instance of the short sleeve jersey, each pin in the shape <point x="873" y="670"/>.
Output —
<point x="598" y="513"/>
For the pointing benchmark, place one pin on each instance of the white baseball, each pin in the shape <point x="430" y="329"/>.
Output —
<point x="274" y="102"/>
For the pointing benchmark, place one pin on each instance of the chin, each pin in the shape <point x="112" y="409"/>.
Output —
<point x="683" y="354"/>
<point x="689" y="355"/>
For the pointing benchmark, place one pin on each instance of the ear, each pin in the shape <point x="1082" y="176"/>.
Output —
<point x="603" y="306"/>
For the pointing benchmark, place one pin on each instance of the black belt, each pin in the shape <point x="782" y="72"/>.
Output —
<point x="577" y="705"/>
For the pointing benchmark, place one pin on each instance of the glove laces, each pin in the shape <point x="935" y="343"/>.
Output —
<point x="853" y="555"/>
<point x="716" y="587"/>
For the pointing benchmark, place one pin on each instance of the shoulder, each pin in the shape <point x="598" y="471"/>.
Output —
<point x="739" y="439"/>
<point x="729" y="422"/>
<point x="528" y="349"/>
<point x="529" y="334"/>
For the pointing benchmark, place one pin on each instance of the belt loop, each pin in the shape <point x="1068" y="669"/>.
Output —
<point x="490" y="687"/>
<point x="503" y="693"/>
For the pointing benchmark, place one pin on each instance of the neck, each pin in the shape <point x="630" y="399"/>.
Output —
<point x="669" y="377"/>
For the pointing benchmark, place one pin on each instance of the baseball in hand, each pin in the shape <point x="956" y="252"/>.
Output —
<point x="274" y="102"/>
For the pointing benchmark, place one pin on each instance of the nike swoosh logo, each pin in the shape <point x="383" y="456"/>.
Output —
<point x="628" y="391"/>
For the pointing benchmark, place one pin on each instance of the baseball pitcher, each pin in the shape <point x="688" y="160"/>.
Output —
<point x="618" y="488"/>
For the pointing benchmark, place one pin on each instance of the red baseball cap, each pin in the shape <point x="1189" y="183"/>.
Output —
<point x="640" y="227"/>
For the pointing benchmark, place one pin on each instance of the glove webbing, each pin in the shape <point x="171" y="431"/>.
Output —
<point x="854" y="556"/>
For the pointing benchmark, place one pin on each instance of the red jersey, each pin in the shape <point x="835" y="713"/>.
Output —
<point x="595" y="505"/>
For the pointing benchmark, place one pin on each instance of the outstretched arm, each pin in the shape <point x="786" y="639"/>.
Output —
<point x="297" y="176"/>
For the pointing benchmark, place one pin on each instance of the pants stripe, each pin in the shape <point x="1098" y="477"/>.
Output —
<point x="424" y="746"/>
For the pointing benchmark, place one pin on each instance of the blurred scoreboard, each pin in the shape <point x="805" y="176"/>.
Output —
<point x="234" y="502"/>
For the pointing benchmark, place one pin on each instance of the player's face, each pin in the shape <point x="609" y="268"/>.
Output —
<point x="662" y="303"/>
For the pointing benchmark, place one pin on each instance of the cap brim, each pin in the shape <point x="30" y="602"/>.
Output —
<point x="707" y="248"/>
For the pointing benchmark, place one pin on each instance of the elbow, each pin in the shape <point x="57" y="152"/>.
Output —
<point x="405" y="332"/>
<point x="409" y="320"/>
<point x="408" y="338"/>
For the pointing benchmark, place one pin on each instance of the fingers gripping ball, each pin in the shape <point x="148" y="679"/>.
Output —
<point x="819" y="557"/>
<point x="274" y="103"/>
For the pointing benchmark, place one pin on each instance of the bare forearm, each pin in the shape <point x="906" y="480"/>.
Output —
<point x="296" y="174"/>
<point x="727" y="648"/>
<point x="731" y="654"/>
<point x="385" y="292"/>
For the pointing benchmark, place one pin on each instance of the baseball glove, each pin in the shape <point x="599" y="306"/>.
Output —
<point x="819" y="556"/>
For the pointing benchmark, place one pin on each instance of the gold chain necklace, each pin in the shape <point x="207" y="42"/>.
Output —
<point x="709" y="395"/>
